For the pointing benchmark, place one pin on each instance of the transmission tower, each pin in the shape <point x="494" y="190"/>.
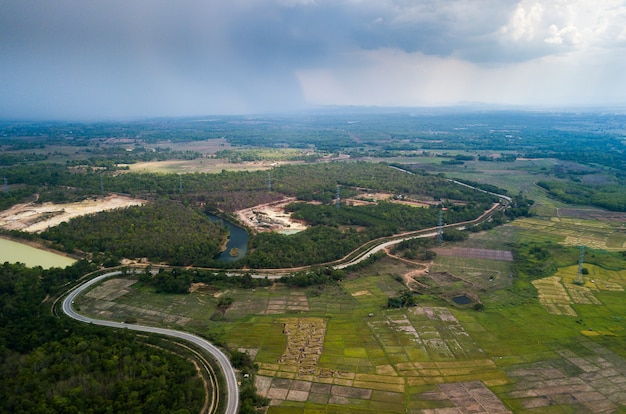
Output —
<point x="6" y="186"/>
<point x="269" y="181"/>
<point x="440" y="227"/>
<point x="338" y="199"/>
<point x="580" y="277"/>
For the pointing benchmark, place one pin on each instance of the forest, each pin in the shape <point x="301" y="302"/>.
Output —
<point x="161" y="231"/>
<point x="53" y="365"/>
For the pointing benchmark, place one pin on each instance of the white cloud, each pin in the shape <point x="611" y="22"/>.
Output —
<point x="567" y="35"/>
<point x="524" y="22"/>
<point x="567" y="23"/>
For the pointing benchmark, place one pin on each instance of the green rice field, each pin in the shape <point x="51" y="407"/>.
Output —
<point x="339" y="349"/>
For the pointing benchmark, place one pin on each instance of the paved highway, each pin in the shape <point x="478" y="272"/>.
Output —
<point x="232" y="400"/>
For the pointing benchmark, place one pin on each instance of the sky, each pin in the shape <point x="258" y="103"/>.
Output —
<point x="89" y="59"/>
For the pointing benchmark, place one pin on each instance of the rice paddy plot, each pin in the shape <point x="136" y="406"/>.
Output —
<point x="558" y="293"/>
<point x="590" y="378"/>
<point x="420" y="335"/>
<point x="457" y="397"/>
<point x="573" y="232"/>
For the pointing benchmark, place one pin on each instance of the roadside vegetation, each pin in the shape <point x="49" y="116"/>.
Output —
<point x="52" y="365"/>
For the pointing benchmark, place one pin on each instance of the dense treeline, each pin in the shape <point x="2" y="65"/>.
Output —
<point x="100" y="373"/>
<point x="16" y="195"/>
<point x="235" y="190"/>
<point x="384" y="218"/>
<point x="53" y="365"/>
<point x="179" y="280"/>
<point x="318" y="182"/>
<point x="315" y="245"/>
<point x="160" y="231"/>
<point x="610" y="197"/>
<point x="231" y="191"/>
<point x="315" y="277"/>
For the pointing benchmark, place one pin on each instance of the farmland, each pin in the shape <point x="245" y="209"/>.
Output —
<point x="491" y="322"/>
<point x="339" y="349"/>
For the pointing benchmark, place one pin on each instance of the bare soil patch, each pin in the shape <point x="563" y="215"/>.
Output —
<point x="476" y="253"/>
<point x="374" y="198"/>
<point x="35" y="217"/>
<point x="271" y="217"/>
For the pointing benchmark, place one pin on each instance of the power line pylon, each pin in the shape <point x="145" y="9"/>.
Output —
<point x="440" y="226"/>
<point x="580" y="276"/>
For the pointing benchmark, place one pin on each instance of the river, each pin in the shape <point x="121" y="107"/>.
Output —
<point x="237" y="240"/>
<point x="14" y="252"/>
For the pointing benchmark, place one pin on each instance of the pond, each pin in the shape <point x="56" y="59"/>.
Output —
<point x="14" y="252"/>
<point x="237" y="245"/>
<point x="462" y="300"/>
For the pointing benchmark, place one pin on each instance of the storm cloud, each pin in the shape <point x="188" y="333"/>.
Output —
<point x="84" y="59"/>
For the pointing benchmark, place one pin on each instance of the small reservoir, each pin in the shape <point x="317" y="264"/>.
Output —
<point x="14" y="252"/>
<point x="237" y="245"/>
<point x="462" y="300"/>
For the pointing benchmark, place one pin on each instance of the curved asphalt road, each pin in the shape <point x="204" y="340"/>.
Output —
<point x="232" y="400"/>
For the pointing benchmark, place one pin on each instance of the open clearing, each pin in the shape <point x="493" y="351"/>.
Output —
<point x="37" y="217"/>
<point x="271" y="217"/>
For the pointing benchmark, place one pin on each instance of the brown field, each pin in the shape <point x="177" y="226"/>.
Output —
<point x="591" y="214"/>
<point x="476" y="253"/>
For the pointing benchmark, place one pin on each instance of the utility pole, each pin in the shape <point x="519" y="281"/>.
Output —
<point x="338" y="199"/>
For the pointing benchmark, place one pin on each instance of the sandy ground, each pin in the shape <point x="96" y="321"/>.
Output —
<point x="373" y="198"/>
<point x="271" y="217"/>
<point x="35" y="217"/>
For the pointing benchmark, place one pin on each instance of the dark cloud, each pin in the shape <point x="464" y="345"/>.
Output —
<point x="163" y="57"/>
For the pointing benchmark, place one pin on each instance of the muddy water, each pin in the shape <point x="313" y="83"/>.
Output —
<point x="13" y="252"/>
